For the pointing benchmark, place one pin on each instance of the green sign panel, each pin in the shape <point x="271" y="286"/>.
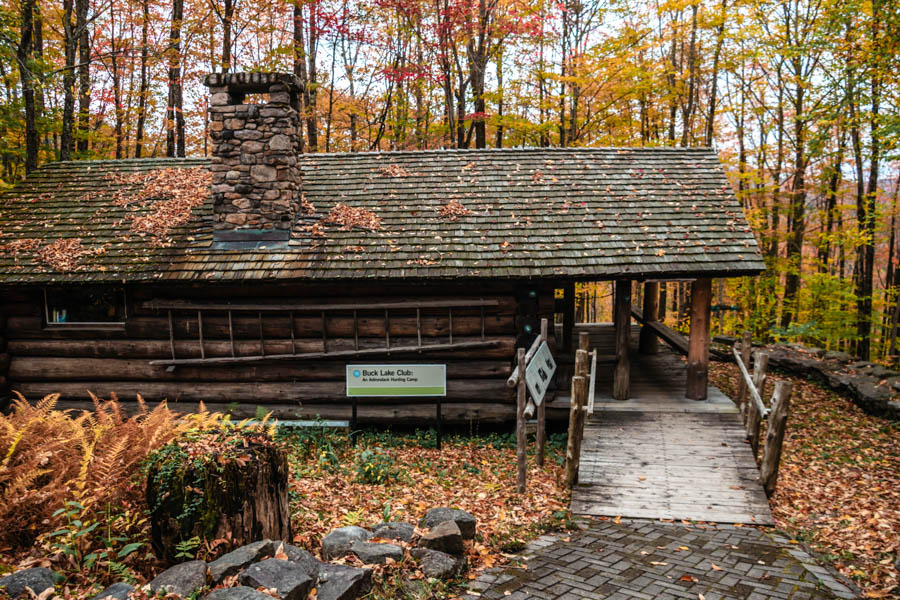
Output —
<point x="396" y="380"/>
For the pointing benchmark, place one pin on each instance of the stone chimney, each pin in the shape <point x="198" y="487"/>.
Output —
<point x="256" y="180"/>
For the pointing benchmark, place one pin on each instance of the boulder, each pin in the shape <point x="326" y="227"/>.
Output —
<point x="237" y="593"/>
<point x="117" y="591"/>
<point x="340" y="582"/>
<point x="234" y="561"/>
<point x="290" y="580"/>
<point x="838" y="356"/>
<point x="303" y="558"/>
<point x="376" y="554"/>
<point x="464" y="520"/>
<point x="444" y="537"/>
<point x="337" y="543"/>
<point x="37" y="580"/>
<point x="439" y="565"/>
<point x="394" y="531"/>
<point x="181" y="579"/>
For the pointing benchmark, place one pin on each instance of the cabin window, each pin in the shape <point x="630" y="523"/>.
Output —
<point x="84" y="306"/>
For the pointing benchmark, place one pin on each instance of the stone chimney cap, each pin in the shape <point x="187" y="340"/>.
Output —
<point x="252" y="83"/>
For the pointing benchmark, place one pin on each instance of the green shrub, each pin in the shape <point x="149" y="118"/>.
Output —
<point x="374" y="466"/>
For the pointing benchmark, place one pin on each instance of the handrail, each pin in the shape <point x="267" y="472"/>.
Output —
<point x="593" y="381"/>
<point x="754" y="393"/>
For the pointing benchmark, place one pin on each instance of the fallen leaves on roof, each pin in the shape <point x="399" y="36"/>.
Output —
<point x="394" y="171"/>
<point x="168" y="195"/>
<point x="66" y="254"/>
<point x="349" y="217"/>
<point x="453" y="210"/>
<point x="21" y="245"/>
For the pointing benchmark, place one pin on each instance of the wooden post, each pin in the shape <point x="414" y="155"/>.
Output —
<point x="622" y="376"/>
<point x="542" y="409"/>
<point x="568" y="316"/>
<point x="746" y="346"/>
<point x="768" y="470"/>
<point x="576" y="418"/>
<point x="698" y="345"/>
<point x="753" y="416"/>
<point x="649" y="343"/>
<point x="520" y="424"/>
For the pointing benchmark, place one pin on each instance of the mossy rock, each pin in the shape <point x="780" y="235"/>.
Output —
<point x="217" y="487"/>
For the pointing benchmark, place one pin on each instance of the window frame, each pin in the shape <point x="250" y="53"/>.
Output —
<point x="106" y="325"/>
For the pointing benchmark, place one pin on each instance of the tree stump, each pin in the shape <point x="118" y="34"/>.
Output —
<point x="234" y="492"/>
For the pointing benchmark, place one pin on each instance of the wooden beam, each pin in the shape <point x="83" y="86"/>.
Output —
<point x="622" y="317"/>
<point x="180" y="305"/>
<point x="698" y="344"/>
<point x="226" y="360"/>
<point x="649" y="343"/>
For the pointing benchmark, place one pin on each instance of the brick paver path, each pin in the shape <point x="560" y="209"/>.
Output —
<point x="657" y="560"/>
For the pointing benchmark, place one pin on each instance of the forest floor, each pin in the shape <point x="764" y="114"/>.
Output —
<point x="392" y="477"/>
<point x="839" y="482"/>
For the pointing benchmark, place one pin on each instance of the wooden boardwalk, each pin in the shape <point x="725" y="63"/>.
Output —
<point x="658" y="455"/>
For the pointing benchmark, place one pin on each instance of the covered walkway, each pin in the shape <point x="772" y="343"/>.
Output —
<point x="659" y="455"/>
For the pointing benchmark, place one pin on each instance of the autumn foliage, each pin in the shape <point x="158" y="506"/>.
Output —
<point x="51" y="456"/>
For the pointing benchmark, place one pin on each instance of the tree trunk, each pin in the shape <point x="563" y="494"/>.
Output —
<point x="174" y="107"/>
<point x="24" y="56"/>
<point x="84" y="74"/>
<point x="67" y="133"/>
<point x="144" y="85"/>
<point x="242" y="499"/>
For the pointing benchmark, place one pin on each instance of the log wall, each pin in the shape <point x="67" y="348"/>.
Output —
<point x="74" y="360"/>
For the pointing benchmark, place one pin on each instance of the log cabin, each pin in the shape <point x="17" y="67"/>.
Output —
<point x="253" y="278"/>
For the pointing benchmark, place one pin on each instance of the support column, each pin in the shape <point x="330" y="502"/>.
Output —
<point x="568" y="316"/>
<point x="649" y="343"/>
<point x="698" y="346"/>
<point x="622" y="318"/>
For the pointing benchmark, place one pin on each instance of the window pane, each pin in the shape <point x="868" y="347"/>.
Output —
<point x="85" y="305"/>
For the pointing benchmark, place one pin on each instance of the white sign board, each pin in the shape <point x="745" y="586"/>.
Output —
<point x="539" y="373"/>
<point x="396" y="380"/>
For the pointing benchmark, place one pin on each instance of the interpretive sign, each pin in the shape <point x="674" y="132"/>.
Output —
<point x="539" y="373"/>
<point x="396" y="380"/>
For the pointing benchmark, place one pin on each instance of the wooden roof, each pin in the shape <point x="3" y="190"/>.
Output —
<point x="533" y="213"/>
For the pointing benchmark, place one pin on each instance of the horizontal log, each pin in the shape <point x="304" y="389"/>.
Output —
<point x="157" y="349"/>
<point x="27" y="369"/>
<point x="274" y="326"/>
<point x="247" y="392"/>
<point x="369" y="305"/>
<point x="382" y="353"/>
<point x="410" y="414"/>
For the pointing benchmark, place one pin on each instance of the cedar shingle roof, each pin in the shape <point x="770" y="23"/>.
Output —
<point x="561" y="213"/>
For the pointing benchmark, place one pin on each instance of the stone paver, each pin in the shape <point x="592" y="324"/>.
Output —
<point x="643" y="559"/>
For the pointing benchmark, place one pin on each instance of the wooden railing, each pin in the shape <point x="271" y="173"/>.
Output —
<point x="582" y="384"/>
<point x="754" y="411"/>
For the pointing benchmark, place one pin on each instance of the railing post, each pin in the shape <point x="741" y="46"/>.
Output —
<point x="576" y="417"/>
<point x="746" y="346"/>
<point x="542" y="409"/>
<point x="753" y="416"/>
<point x="768" y="470"/>
<point x="520" y="423"/>
<point x="622" y="318"/>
